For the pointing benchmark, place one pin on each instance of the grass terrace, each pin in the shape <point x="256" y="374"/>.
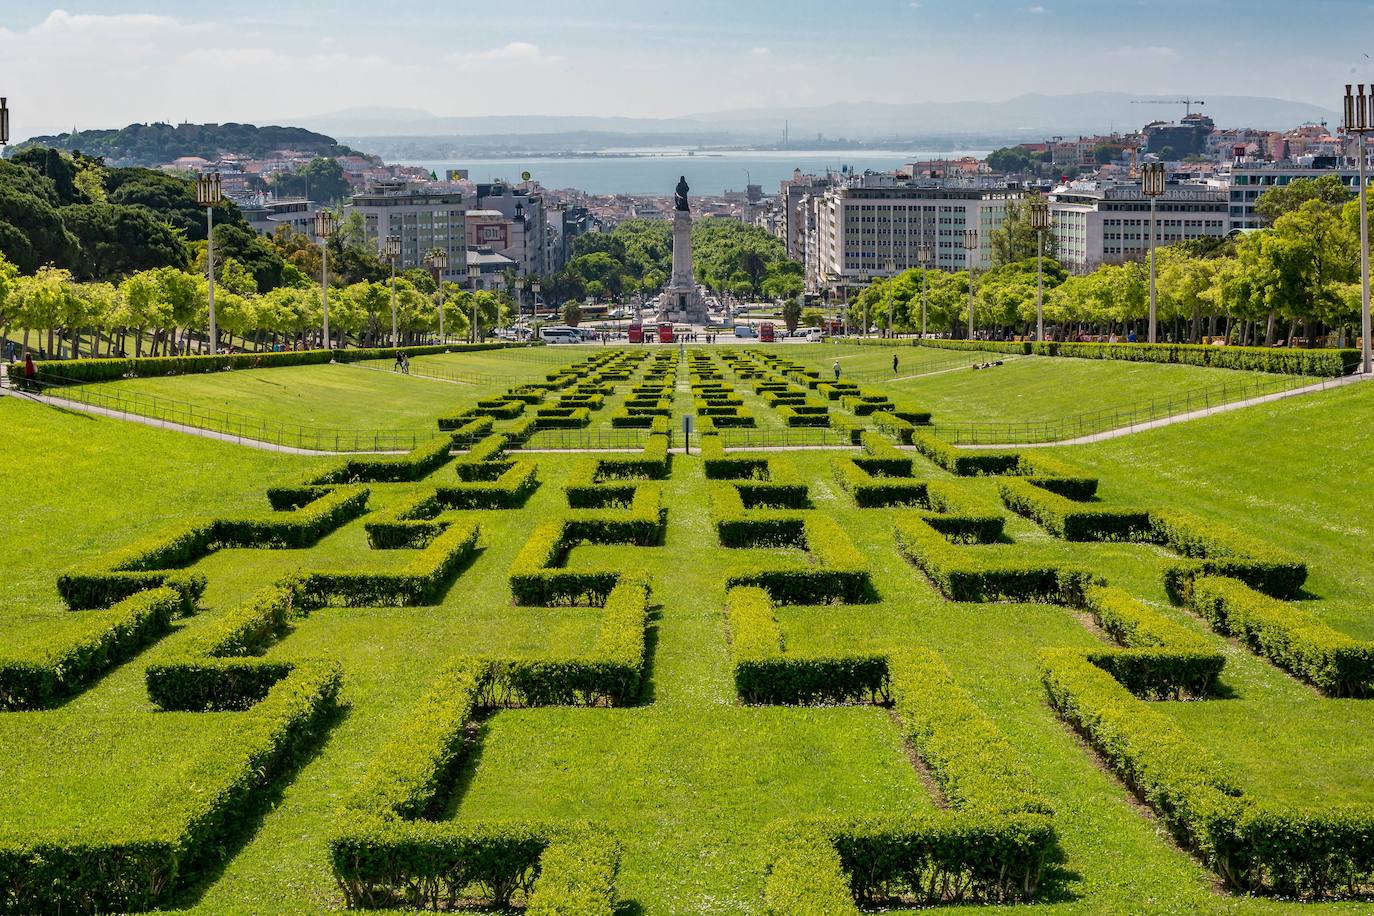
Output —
<point x="747" y="691"/>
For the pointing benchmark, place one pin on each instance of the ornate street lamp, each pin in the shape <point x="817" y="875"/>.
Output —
<point x="208" y="195"/>
<point x="970" y="247"/>
<point x="1039" y="212"/>
<point x="519" y="297"/>
<point x="437" y="260"/>
<point x="325" y="222"/>
<point x="1152" y="186"/>
<point x="1359" y="113"/>
<point x="392" y="252"/>
<point x="474" y="280"/>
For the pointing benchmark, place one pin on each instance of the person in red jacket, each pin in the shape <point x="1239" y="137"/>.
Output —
<point x="30" y="373"/>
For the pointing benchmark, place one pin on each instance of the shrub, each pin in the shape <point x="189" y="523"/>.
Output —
<point x="964" y="463"/>
<point x="840" y="576"/>
<point x="1294" y="639"/>
<point x="59" y="665"/>
<point x="961" y="575"/>
<point x="764" y="674"/>
<point x="799" y="416"/>
<point x="1223" y="551"/>
<point x="1290" y="361"/>
<point x="1072" y="521"/>
<point x="93" y="870"/>
<point x="421" y="581"/>
<point x="1163" y="660"/>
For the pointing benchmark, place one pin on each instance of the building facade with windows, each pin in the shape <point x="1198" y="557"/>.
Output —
<point x="1098" y="223"/>
<point x="423" y="218"/>
<point x="1245" y="181"/>
<point x="853" y="231"/>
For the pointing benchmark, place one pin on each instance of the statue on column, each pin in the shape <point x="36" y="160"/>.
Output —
<point x="680" y="194"/>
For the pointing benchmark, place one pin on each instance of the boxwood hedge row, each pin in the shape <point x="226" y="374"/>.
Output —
<point x="1294" y="639"/>
<point x="104" y="869"/>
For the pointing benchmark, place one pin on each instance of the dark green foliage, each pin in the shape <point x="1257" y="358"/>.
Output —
<point x="1292" y="638"/>
<point x="60" y="666"/>
<point x="117" y="240"/>
<point x="158" y="143"/>
<point x="91" y="870"/>
<point x="1223" y="551"/>
<point x="1073" y="521"/>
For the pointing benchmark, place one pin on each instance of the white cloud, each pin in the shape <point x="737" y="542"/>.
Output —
<point x="760" y="51"/>
<point x="1037" y="10"/>
<point x="521" y="51"/>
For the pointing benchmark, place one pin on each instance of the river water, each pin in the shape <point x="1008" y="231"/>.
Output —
<point x="656" y="171"/>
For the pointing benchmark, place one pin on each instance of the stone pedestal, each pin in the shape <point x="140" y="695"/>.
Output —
<point x="680" y="301"/>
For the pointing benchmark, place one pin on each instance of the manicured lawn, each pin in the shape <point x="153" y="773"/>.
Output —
<point x="336" y="396"/>
<point x="688" y="778"/>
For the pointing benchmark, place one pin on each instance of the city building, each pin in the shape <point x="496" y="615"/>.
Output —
<point x="1245" y="180"/>
<point x="853" y="230"/>
<point x="792" y="221"/>
<point x="266" y="215"/>
<point x="1101" y="222"/>
<point x="422" y="217"/>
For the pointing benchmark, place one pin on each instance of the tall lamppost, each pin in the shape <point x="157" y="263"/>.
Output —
<point x="534" y="304"/>
<point x="1359" y="113"/>
<point x="4" y="125"/>
<point x="1039" y="212"/>
<point x="924" y="254"/>
<point x="868" y="281"/>
<point x="392" y="252"/>
<point x="208" y="196"/>
<point x="519" y="297"/>
<point x="891" y="282"/>
<point x="437" y="260"/>
<point x="474" y="278"/>
<point x="1152" y="186"/>
<point x="970" y="249"/>
<point x="324" y="228"/>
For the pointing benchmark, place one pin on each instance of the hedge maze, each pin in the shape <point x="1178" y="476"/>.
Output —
<point x="569" y="618"/>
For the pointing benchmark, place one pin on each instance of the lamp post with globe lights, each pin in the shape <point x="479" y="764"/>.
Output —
<point x="1152" y="183"/>
<point x="325" y="222"/>
<point x="474" y="279"/>
<point x="392" y="252"/>
<point x="437" y="262"/>
<point x="1039" y="212"/>
<point x="970" y="248"/>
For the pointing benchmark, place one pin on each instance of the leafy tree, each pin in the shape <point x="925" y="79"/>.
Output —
<point x="572" y="313"/>
<point x="319" y="179"/>
<point x="1281" y="199"/>
<point x="1015" y="240"/>
<point x="1011" y="159"/>
<point x="117" y="240"/>
<point x="791" y="313"/>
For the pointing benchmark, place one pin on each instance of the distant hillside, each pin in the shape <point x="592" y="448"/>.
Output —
<point x="154" y="144"/>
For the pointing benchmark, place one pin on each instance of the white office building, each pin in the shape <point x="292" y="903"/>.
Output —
<point x="1244" y="181"/>
<point x="422" y="217"/>
<point x="855" y="230"/>
<point x="1098" y="223"/>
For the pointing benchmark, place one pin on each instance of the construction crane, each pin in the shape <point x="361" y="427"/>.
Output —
<point x="1186" y="103"/>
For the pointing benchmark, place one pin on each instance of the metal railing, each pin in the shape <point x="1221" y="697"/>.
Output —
<point x="239" y="426"/>
<point x="1058" y="429"/>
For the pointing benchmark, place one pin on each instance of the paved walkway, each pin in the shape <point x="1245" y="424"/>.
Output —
<point x="64" y="404"/>
<point x="1144" y="425"/>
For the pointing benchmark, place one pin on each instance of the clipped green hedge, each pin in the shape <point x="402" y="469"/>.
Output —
<point x="840" y="574"/>
<point x="60" y="665"/>
<point x="1163" y="660"/>
<point x="153" y="561"/>
<point x="764" y="674"/>
<point x="1309" y="852"/>
<point x="961" y="574"/>
<point x="55" y="371"/>
<point x="1216" y="549"/>
<point x="422" y="581"/>
<point x="1288" y="361"/>
<point x="1294" y="639"/>
<point x="97" y="869"/>
<point x="1071" y="520"/>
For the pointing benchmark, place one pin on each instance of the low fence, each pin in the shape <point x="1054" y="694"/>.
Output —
<point x="1085" y="424"/>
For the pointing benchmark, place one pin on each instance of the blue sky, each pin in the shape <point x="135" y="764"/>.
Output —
<point x="107" y="63"/>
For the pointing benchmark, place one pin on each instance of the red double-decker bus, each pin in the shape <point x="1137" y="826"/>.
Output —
<point x="665" y="333"/>
<point x="766" y="332"/>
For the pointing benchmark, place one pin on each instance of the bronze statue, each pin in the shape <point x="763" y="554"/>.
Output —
<point x="680" y="194"/>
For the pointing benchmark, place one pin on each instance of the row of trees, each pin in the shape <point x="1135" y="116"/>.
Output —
<point x="164" y="311"/>
<point x="1297" y="279"/>
<point x="636" y="257"/>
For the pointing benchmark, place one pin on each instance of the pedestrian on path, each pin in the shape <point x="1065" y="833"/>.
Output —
<point x="894" y="363"/>
<point x="837" y="370"/>
<point x="30" y="373"/>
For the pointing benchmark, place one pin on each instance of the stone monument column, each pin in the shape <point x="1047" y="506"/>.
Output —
<point x="680" y="301"/>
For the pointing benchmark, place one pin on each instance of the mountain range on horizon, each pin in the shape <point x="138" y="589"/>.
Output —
<point x="1028" y="115"/>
